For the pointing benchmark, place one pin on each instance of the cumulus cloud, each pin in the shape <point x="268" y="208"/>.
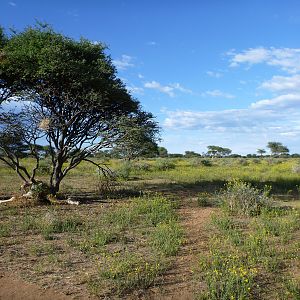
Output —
<point x="282" y="84"/>
<point x="124" y="62"/>
<point x="12" y="3"/>
<point x="157" y="86"/>
<point x="167" y="89"/>
<point x="279" y="102"/>
<point x="287" y="59"/>
<point x="279" y="116"/>
<point x="217" y="93"/>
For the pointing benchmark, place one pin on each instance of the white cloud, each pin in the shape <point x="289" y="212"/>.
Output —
<point x="288" y="59"/>
<point x="12" y="3"/>
<point x="135" y="90"/>
<point x="279" y="116"/>
<point x="157" y="86"/>
<point x="179" y="87"/>
<point x="282" y="101"/>
<point x="167" y="89"/>
<point x="214" y="74"/>
<point x="124" y="62"/>
<point x="140" y="76"/>
<point x="217" y="93"/>
<point x="282" y="84"/>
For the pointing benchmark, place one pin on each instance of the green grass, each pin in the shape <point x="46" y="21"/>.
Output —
<point x="249" y="255"/>
<point x="126" y="272"/>
<point x="167" y="238"/>
<point x="275" y="172"/>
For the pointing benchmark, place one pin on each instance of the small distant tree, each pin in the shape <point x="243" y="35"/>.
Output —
<point x="189" y="154"/>
<point x="162" y="152"/>
<point x="215" y="151"/>
<point x="261" y="152"/>
<point x="277" y="148"/>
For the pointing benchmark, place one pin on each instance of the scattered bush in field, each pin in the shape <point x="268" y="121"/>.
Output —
<point x="167" y="238"/>
<point x="141" y="166"/>
<point x="121" y="217"/>
<point x="98" y="238"/>
<point x="206" y="163"/>
<point x="163" y="164"/>
<point x="127" y="271"/>
<point x="196" y="162"/>
<point x="203" y="199"/>
<point x="227" y="276"/>
<point x="106" y="186"/>
<point x="156" y="210"/>
<point x="51" y="223"/>
<point x="124" y="170"/>
<point x="241" y="198"/>
<point x="296" y="168"/>
<point x="243" y="162"/>
<point x="256" y="160"/>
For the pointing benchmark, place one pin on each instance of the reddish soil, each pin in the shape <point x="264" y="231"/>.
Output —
<point x="180" y="283"/>
<point x="12" y="288"/>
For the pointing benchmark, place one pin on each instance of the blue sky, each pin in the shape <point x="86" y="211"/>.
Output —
<point x="213" y="72"/>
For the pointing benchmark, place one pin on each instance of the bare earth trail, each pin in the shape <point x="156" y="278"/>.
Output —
<point x="12" y="288"/>
<point x="178" y="282"/>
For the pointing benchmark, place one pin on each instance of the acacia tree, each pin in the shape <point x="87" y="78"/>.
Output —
<point x="277" y="148"/>
<point x="261" y="152"/>
<point x="137" y="137"/>
<point x="218" y="151"/>
<point x="74" y="96"/>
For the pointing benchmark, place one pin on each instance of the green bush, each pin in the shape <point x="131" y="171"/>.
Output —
<point x="167" y="238"/>
<point x="203" y="199"/>
<point x="124" y="170"/>
<point x="241" y="198"/>
<point x="141" y="166"/>
<point x="163" y="164"/>
<point x="128" y="271"/>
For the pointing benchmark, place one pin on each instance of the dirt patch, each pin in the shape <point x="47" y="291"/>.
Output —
<point x="17" y="289"/>
<point x="179" y="282"/>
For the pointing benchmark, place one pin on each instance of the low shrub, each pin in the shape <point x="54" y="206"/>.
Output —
<point x="241" y="198"/>
<point x="163" y="164"/>
<point x="127" y="271"/>
<point x="203" y="199"/>
<point x="141" y="166"/>
<point x="167" y="238"/>
<point x="124" y="170"/>
<point x="296" y="168"/>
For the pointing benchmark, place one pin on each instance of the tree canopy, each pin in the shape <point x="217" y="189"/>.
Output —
<point x="277" y="148"/>
<point x="218" y="151"/>
<point x="72" y="95"/>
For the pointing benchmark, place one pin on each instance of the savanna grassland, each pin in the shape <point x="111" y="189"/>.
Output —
<point x="182" y="228"/>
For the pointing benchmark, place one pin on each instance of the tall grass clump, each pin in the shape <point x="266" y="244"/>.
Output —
<point x="167" y="238"/>
<point x="241" y="198"/>
<point x="124" y="170"/>
<point x="227" y="276"/>
<point x="163" y="164"/>
<point x="127" y="271"/>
